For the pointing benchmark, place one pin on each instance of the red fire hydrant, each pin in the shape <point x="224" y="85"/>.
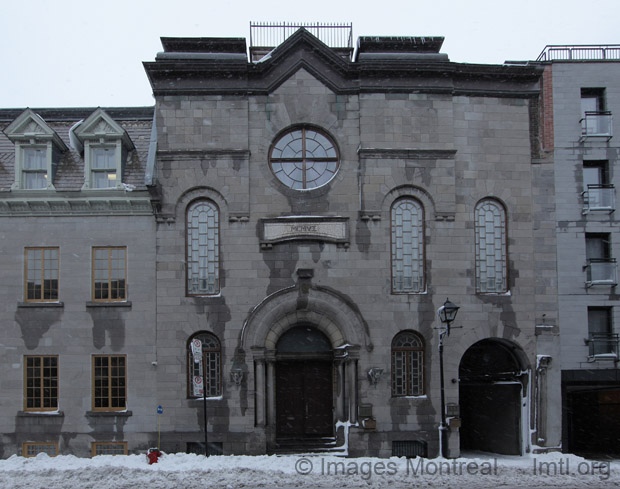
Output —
<point x="153" y="455"/>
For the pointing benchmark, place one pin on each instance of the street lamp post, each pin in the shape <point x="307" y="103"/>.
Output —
<point x="446" y="314"/>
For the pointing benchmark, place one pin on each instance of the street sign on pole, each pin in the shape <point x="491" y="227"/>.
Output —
<point x="197" y="350"/>
<point x="198" y="389"/>
<point x="160" y="409"/>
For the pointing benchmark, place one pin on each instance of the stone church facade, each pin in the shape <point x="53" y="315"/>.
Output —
<point x="304" y="215"/>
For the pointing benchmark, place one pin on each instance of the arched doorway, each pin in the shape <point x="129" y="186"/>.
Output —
<point x="304" y="385"/>
<point x="492" y="385"/>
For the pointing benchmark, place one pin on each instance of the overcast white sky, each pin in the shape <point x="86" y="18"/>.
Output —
<point x="81" y="53"/>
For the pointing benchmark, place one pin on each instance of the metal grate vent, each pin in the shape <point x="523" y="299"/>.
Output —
<point x="409" y="448"/>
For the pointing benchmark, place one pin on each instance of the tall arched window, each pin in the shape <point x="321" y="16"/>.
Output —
<point x="490" y="237"/>
<point x="407" y="364"/>
<point x="210" y="363"/>
<point x="203" y="248"/>
<point x="407" y="223"/>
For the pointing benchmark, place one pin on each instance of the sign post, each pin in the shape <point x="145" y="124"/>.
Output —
<point x="160" y="411"/>
<point x="200" y="385"/>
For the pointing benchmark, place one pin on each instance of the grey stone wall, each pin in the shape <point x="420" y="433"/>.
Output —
<point x="447" y="151"/>
<point x="78" y="330"/>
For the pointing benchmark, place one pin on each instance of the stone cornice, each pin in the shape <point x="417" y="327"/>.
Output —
<point x="302" y="50"/>
<point x="53" y="205"/>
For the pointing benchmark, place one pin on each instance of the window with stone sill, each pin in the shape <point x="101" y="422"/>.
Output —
<point x="407" y="236"/>
<point x="209" y="364"/>
<point x="41" y="267"/>
<point x="203" y="248"/>
<point x="40" y="383"/>
<point x="109" y="391"/>
<point x="109" y="274"/>
<point x="407" y="365"/>
<point x="490" y="247"/>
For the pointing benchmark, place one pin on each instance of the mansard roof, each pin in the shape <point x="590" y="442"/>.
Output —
<point x="382" y="64"/>
<point x="135" y="122"/>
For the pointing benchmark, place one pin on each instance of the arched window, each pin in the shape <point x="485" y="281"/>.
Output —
<point x="407" y="364"/>
<point x="203" y="248"/>
<point x="304" y="158"/>
<point x="490" y="237"/>
<point x="210" y="363"/>
<point x="407" y="223"/>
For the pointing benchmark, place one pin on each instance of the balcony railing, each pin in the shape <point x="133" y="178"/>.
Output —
<point x="584" y="52"/>
<point x="603" y="346"/>
<point x="596" y="125"/>
<point x="599" y="198"/>
<point x="601" y="272"/>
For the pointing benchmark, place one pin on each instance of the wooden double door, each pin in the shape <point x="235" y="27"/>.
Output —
<point x="304" y="399"/>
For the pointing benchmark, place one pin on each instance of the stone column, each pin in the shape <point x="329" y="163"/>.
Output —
<point x="270" y="359"/>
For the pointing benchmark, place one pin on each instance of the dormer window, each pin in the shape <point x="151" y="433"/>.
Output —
<point x="34" y="169"/>
<point x="105" y="146"/>
<point x="103" y="167"/>
<point x="37" y="152"/>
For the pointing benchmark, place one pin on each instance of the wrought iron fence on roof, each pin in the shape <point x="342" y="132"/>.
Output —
<point x="272" y="34"/>
<point x="584" y="52"/>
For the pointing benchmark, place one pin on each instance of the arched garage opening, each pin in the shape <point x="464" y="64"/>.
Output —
<point x="493" y="380"/>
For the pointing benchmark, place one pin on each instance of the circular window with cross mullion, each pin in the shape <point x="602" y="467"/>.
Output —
<point x="304" y="158"/>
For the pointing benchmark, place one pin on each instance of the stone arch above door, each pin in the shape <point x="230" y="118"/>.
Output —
<point x="330" y="312"/>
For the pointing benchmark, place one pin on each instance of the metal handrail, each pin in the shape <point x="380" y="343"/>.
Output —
<point x="580" y="52"/>
<point x="602" y="344"/>
<point x="601" y="271"/>
<point x="600" y="197"/>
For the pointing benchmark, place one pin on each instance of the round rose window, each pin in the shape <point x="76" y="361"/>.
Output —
<point x="304" y="158"/>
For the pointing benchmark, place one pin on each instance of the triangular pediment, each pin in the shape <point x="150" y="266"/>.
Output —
<point x="300" y="80"/>
<point x="305" y="52"/>
<point x="30" y="126"/>
<point x="100" y="125"/>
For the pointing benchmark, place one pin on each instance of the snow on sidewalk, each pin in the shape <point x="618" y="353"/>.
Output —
<point x="189" y="471"/>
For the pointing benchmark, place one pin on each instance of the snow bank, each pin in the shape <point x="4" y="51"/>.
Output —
<point x="553" y="470"/>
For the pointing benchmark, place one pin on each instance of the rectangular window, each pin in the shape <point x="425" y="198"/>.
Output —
<point x="41" y="383"/>
<point x="597" y="246"/>
<point x="108" y="448"/>
<point x="103" y="167"/>
<point x="109" y="382"/>
<point x="34" y="169"/>
<point x="110" y="273"/>
<point x="600" y="266"/>
<point x="33" y="449"/>
<point x="595" y="120"/>
<point x="41" y="274"/>
<point x="598" y="194"/>
<point x="600" y="329"/>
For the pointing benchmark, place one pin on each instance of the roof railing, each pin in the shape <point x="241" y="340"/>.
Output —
<point x="582" y="52"/>
<point x="272" y="34"/>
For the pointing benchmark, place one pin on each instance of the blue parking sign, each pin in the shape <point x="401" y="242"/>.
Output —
<point x="160" y="409"/>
